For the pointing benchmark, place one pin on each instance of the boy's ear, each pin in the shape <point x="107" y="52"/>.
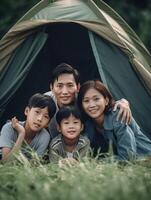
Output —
<point x="26" y="111"/>
<point x="82" y="127"/>
<point x="58" y="128"/>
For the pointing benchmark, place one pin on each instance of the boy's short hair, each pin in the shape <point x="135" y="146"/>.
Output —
<point x="66" y="111"/>
<point x="64" y="68"/>
<point x="42" y="101"/>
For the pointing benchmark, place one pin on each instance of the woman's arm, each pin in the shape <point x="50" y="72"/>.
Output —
<point x="125" y="141"/>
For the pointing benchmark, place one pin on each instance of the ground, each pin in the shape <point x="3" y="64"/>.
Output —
<point x="88" y="180"/>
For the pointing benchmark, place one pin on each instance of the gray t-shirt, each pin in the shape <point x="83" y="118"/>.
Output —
<point x="39" y="144"/>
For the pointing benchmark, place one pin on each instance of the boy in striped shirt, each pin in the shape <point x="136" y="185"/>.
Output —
<point x="69" y="145"/>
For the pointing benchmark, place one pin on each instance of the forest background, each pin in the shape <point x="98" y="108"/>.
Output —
<point x="136" y="13"/>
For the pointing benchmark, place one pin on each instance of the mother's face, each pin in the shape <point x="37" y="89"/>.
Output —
<point x="94" y="103"/>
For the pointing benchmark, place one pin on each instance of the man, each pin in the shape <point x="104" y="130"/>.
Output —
<point x="64" y="88"/>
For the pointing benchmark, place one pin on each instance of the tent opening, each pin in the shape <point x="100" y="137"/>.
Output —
<point x="66" y="42"/>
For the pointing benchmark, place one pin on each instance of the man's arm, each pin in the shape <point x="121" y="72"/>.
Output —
<point x="124" y="114"/>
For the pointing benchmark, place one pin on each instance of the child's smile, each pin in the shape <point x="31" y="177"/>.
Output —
<point x="71" y="127"/>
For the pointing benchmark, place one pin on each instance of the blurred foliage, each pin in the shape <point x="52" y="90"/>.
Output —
<point x="11" y="11"/>
<point x="136" y="13"/>
<point x="86" y="180"/>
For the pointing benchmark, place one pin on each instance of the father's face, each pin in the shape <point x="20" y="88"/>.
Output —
<point x="65" y="89"/>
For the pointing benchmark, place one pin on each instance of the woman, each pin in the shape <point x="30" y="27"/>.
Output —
<point x="102" y="128"/>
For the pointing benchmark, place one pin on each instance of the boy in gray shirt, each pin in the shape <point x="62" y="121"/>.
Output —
<point x="30" y="134"/>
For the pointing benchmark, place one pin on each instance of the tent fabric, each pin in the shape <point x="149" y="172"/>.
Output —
<point x="119" y="69"/>
<point x="111" y="52"/>
<point x="58" y="48"/>
<point x="97" y="58"/>
<point x="18" y="67"/>
<point x="96" y="19"/>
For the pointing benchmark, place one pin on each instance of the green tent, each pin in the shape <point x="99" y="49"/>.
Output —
<point x="87" y="34"/>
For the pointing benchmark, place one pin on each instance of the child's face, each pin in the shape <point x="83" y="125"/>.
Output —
<point x="37" y="118"/>
<point x="71" y="127"/>
<point x="94" y="103"/>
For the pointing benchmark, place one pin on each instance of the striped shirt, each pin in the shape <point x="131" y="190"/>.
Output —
<point x="57" y="149"/>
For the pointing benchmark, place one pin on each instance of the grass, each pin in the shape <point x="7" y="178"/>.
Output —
<point x="84" y="181"/>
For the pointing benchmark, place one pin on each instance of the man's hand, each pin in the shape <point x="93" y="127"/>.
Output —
<point x="124" y="113"/>
<point x="18" y="127"/>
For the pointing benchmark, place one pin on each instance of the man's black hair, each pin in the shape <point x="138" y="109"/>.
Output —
<point x="64" y="68"/>
<point x="66" y="111"/>
<point x="41" y="101"/>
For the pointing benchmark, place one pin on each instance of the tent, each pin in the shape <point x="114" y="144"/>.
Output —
<point x="87" y="34"/>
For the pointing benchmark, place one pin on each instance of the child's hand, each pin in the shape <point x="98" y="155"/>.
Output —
<point x="67" y="161"/>
<point x="18" y="127"/>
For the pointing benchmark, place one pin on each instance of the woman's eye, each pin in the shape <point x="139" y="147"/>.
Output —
<point x="96" y="99"/>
